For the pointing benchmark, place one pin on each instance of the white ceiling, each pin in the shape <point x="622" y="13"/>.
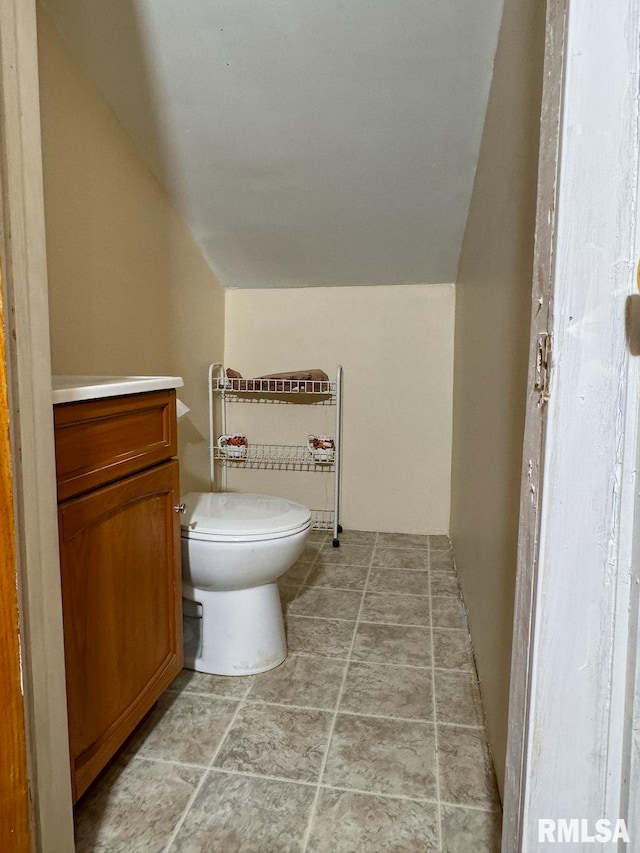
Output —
<point x="306" y="142"/>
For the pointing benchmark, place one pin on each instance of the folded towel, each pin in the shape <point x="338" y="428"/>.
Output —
<point x="302" y="375"/>
<point x="297" y="380"/>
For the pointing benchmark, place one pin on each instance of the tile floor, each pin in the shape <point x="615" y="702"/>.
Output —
<point x="369" y="738"/>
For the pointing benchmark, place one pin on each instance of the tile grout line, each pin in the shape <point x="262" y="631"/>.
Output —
<point x="411" y="720"/>
<point x="404" y="569"/>
<point x="297" y="707"/>
<point x="374" y="591"/>
<point x="241" y="703"/>
<point x="228" y="771"/>
<point x="435" y="716"/>
<point x="400" y="624"/>
<point x="314" y="805"/>
<point x="355" y="660"/>
<point x="404" y="798"/>
<point x="352" y="713"/>
<point x="371" y="621"/>
<point x="408" y="799"/>
<point x="299" y="586"/>
<point x="468" y="806"/>
<point x="324" y="786"/>
<point x="390" y="717"/>
<point x="192" y="798"/>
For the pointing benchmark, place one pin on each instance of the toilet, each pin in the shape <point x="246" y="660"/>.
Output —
<point x="234" y="549"/>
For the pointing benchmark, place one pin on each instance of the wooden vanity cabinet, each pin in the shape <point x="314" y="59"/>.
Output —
<point x="120" y="567"/>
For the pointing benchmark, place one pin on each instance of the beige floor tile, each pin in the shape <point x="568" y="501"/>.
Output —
<point x="470" y="831"/>
<point x="398" y="644"/>
<point x="458" y="698"/>
<point x="296" y="575"/>
<point x="231" y="687"/>
<point x="347" y="822"/>
<point x="382" y="756"/>
<point x="384" y="739"/>
<point x="357" y="537"/>
<point x="444" y="583"/>
<point x="391" y="691"/>
<point x="452" y="649"/>
<point x="307" y="680"/>
<point x="288" y="595"/>
<point x="311" y="550"/>
<point x="273" y="741"/>
<point x="338" y="577"/>
<point x="403" y="540"/>
<point x="242" y="814"/>
<point x="183" y="727"/>
<point x="448" y="612"/>
<point x="327" y="603"/>
<point x="134" y="806"/>
<point x="439" y="543"/>
<point x="466" y="772"/>
<point x="318" y="537"/>
<point x="398" y="580"/>
<point x="400" y="558"/>
<point x="399" y="609"/>
<point x="351" y="555"/>
<point x="328" y="637"/>
<point x="441" y="561"/>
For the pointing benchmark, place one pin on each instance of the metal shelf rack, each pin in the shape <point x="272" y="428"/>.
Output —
<point x="285" y="457"/>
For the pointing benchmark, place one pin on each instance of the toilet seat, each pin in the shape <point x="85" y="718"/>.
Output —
<point x="228" y="517"/>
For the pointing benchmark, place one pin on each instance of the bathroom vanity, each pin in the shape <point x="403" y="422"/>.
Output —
<point x="119" y="531"/>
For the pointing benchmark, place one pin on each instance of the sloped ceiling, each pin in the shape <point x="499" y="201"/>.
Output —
<point x="306" y="142"/>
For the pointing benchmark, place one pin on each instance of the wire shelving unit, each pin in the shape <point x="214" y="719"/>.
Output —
<point x="284" y="457"/>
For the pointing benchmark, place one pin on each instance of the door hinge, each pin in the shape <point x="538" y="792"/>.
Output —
<point x="543" y="366"/>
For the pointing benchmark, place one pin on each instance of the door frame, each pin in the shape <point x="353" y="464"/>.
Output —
<point x="23" y="257"/>
<point x="534" y="437"/>
<point x="572" y="677"/>
<point x="560" y="598"/>
<point x="15" y="810"/>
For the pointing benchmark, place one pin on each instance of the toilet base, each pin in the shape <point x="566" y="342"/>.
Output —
<point x="241" y="631"/>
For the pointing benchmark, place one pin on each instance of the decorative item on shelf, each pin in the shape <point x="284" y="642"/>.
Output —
<point x="233" y="446"/>
<point x="314" y="381"/>
<point x="322" y="448"/>
<point x="227" y="381"/>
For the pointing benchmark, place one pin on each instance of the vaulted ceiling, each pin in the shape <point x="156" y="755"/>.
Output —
<point x="305" y="142"/>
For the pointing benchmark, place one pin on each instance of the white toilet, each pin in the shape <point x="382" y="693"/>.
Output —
<point x="234" y="549"/>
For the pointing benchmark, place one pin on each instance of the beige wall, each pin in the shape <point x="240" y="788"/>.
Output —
<point x="492" y="338"/>
<point x="396" y="347"/>
<point x="129" y="291"/>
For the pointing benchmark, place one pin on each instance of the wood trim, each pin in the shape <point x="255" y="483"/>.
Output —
<point x="24" y="268"/>
<point x="14" y="789"/>
<point x="100" y="441"/>
<point x="109" y="598"/>
<point x="90" y="763"/>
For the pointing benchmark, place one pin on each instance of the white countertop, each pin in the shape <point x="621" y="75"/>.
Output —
<point x="69" y="389"/>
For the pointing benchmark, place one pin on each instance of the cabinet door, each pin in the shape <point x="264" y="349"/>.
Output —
<point x="122" y="609"/>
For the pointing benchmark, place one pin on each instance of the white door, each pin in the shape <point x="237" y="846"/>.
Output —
<point x="573" y="660"/>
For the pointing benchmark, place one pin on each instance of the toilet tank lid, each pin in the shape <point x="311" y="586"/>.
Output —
<point x="232" y="514"/>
